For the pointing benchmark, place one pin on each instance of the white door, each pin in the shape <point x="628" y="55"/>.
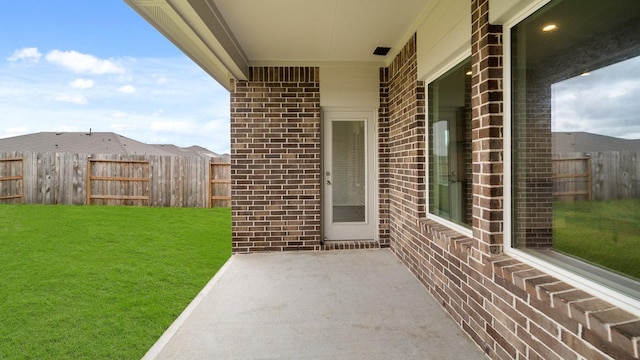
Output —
<point x="349" y="175"/>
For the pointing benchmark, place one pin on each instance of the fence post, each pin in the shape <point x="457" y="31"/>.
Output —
<point x="88" y="200"/>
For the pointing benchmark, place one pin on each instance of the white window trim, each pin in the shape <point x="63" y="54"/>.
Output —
<point x="453" y="61"/>
<point x="578" y="277"/>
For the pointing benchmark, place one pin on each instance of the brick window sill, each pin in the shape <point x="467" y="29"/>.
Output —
<point x="542" y="297"/>
<point x="446" y="238"/>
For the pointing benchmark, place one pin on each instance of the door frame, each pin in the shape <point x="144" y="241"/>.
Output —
<point x="373" y="182"/>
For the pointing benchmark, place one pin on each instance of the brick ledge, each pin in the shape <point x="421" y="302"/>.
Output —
<point x="582" y="315"/>
<point x="350" y="245"/>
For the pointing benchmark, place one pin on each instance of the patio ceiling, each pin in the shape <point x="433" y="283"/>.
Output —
<point x="226" y="37"/>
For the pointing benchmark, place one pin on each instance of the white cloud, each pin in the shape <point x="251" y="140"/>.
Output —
<point x="70" y="98"/>
<point x="65" y="128"/>
<point x="171" y="126"/>
<point x="127" y="89"/>
<point x="119" y="127"/>
<point x="216" y="126"/>
<point x="161" y="80"/>
<point x="27" y="54"/>
<point x="118" y="114"/>
<point x="124" y="78"/>
<point x="81" y="84"/>
<point x="605" y="102"/>
<point x="83" y="63"/>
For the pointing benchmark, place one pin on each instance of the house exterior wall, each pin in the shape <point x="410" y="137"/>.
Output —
<point x="406" y="161"/>
<point x="510" y="309"/>
<point x="383" y="160"/>
<point x="275" y="160"/>
<point x="349" y="87"/>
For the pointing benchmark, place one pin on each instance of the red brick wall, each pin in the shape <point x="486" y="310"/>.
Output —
<point x="275" y="160"/>
<point x="508" y="308"/>
<point x="406" y="161"/>
<point x="383" y="159"/>
<point x="486" y="124"/>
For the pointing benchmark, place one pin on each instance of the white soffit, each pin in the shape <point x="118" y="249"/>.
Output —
<point x="319" y="31"/>
<point x="225" y="37"/>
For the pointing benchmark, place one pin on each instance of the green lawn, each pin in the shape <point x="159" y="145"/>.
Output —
<point x="101" y="282"/>
<point x="602" y="232"/>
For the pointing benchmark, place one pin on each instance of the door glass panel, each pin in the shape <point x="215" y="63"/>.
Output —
<point x="348" y="171"/>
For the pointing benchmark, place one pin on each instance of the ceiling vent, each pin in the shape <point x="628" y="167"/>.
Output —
<point x="381" y="51"/>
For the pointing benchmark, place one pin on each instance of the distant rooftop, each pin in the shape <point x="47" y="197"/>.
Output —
<point x="95" y="143"/>
<point x="188" y="151"/>
<point x="566" y="142"/>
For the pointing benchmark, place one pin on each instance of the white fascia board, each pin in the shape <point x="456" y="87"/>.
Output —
<point x="207" y="23"/>
<point x="201" y="47"/>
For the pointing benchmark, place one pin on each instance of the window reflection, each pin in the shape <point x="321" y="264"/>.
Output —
<point x="450" y="145"/>
<point x="576" y="133"/>
<point x="596" y="168"/>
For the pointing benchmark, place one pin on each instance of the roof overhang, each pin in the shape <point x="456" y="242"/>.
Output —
<point x="197" y="28"/>
<point x="226" y="37"/>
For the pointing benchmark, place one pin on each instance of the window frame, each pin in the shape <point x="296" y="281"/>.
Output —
<point x="574" y="272"/>
<point x="453" y="61"/>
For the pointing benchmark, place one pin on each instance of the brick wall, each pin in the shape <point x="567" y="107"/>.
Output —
<point x="383" y="159"/>
<point x="406" y="146"/>
<point x="275" y="160"/>
<point x="486" y="124"/>
<point x="508" y="308"/>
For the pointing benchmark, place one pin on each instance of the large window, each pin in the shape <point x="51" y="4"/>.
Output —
<point x="575" y="136"/>
<point x="449" y="99"/>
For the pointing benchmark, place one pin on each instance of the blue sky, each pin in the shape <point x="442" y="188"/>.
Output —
<point x="73" y="65"/>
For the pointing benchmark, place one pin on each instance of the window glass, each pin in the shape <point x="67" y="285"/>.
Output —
<point x="575" y="68"/>
<point x="349" y="171"/>
<point x="450" y="145"/>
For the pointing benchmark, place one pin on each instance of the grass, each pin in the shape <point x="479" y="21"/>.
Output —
<point x="606" y="233"/>
<point x="101" y="282"/>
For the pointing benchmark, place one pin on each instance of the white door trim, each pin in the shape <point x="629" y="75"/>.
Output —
<point x="351" y="231"/>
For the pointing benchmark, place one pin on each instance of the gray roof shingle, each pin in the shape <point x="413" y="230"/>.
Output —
<point x="567" y="142"/>
<point x="94" y="143"/>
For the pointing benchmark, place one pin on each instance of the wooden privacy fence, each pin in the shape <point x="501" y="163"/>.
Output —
<point x="604" y="175"/>
<point x="78" y="179"/>
<point x="220" y="184"/>
<point x="12" y="180"/>
<point x="123" y="182"/>
<point x="571" y="179"/>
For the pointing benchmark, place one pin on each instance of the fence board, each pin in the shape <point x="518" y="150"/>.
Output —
<point x="12" y="180"/>
<point x="605" y="175"/>
<point x="220" y="184"/>
<point x="118" y="182"/>
<point x="571" y="178"/>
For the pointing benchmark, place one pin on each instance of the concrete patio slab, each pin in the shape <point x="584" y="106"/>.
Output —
<point x="361" y="304"/>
